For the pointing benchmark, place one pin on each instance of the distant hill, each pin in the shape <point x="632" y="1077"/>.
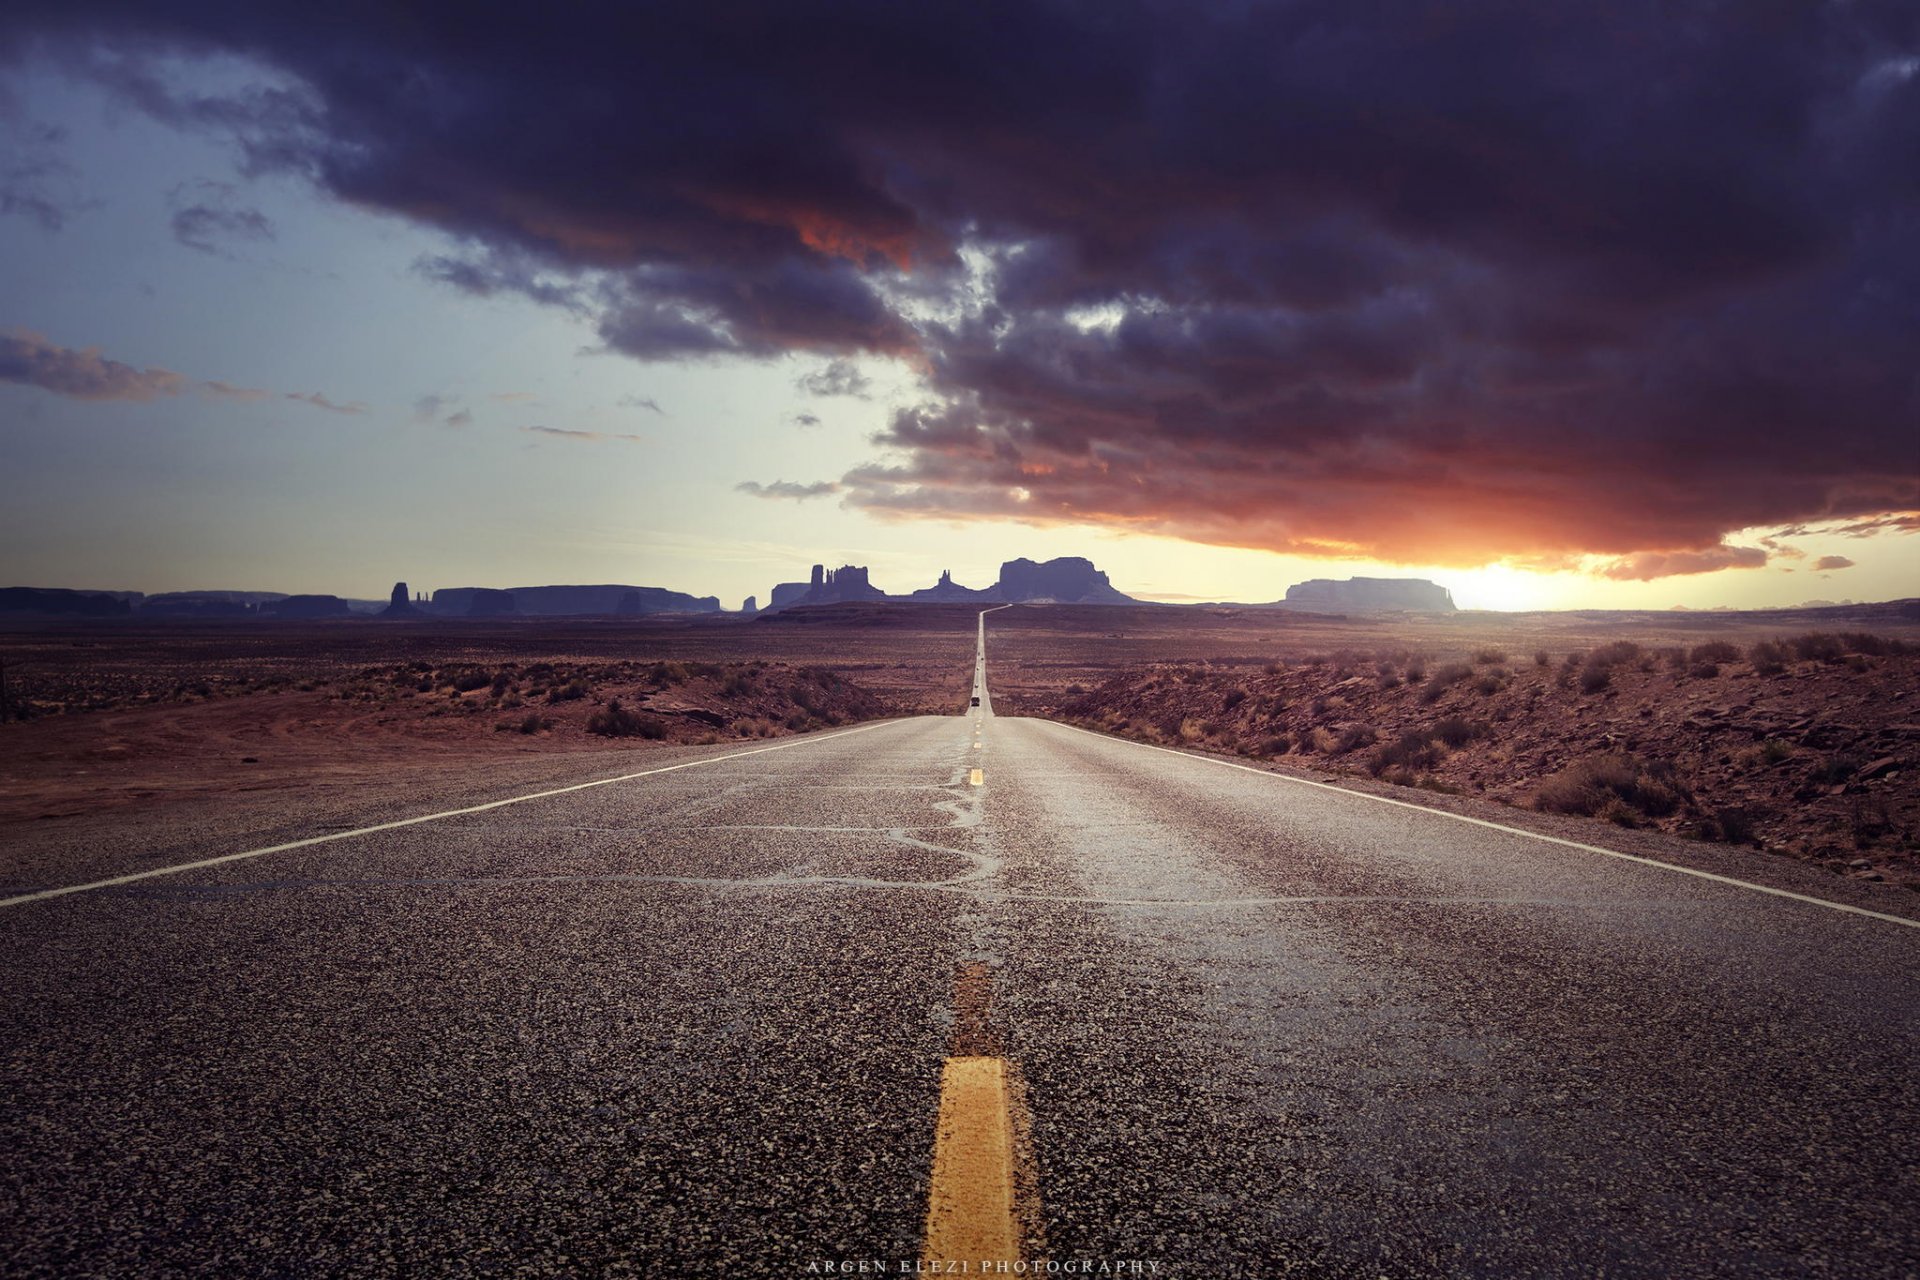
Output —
<point x="555" y="602"/>
<point x="61" y="602"/>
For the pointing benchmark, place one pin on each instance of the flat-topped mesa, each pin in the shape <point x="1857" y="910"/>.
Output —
<point x="848" y="582"/>
<point x="578" y="601"/>
<point x="1370" y="595"/>
<point x="307" y="607"/>
<point x="1066" y="580"/>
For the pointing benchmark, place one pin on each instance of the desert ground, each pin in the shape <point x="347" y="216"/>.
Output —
<point x="1793" y="733"/>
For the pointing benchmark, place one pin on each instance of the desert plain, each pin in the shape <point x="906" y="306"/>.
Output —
<point x="1788" y="733"/>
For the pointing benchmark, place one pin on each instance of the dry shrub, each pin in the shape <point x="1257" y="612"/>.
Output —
<point x="1586" y="786"/>
<point x="1444" y="678"/>
<point x="1768" y="658"/>
<point x="1817" y="646"/>
<point x="1409" y="752"/>
<point x="1715" y="651"/>
<point x="616" y="721"/>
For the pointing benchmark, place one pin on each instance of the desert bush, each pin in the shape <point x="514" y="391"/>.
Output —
<point x="1704" y="670"/>
<point x="616" y="721"/>
<point x="468" y="681"/>
<point x="1732" y="823"/>
<point x="1715" y="651"/>
<point x="1491" y="682"/>
<point x="1233" y="699"/>
<point x="1387" y="681"/>
<point x="1416" y="671"/>
<point x="1456" y="731"/>
<point x="1353" y="737"/>
<point x="571" y="691"/>
<point x="1768" y="658"/>
<point x="1489" y="657"/>
<point x="502" y="681"/>
<point x="1836" y="769"/>
<point x="1817" y="646"/>
<point x="1675" y="657"/>
<point x="1410" y="751"/>
<point x="1191" y="730"/>
<point x="1620" y="653"/>
<point x="533" y="722"/>
<point x="1872" y="645"/>
<point x="1541" y="658"/>
<point x="1595" y="678"/>
<point x="1586" y="785"/>
<point x="1444" y="678"/>
<point x="737" y="685"/>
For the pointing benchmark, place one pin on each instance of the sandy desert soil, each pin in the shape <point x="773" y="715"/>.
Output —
<point x="1810" y="749"/>
<point x="129" y="716"/>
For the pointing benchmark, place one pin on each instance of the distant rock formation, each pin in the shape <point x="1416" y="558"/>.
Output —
<point x="947" y="591"/>
<point x="848" y="582"/>
<point x="307" y="607"/>
<point x="1370" y="595"/>
<point x="63" y="602"/>
<point x="487" y="602"/>
<point x="1066" y="580"/>
<point x="749" y="606"/>
<point x="208" y="604"/>
<point x="401" y="605"/>
<point x="567" y="601"/>
<point x="786" y="593"/>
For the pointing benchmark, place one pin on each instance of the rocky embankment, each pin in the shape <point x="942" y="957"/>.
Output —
<point x="1808" y="746"/>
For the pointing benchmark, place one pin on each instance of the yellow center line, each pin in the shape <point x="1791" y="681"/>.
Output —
<point x="976" y="778"/>
<point x="970" y="1210"/>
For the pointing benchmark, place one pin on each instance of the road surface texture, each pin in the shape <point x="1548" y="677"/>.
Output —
<point x="693" y="1022"/>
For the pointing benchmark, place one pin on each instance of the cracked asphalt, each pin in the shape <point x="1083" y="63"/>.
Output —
<point x="692" y="1023"/>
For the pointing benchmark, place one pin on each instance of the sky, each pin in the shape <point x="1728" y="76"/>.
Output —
<point x="1610" y="306"/>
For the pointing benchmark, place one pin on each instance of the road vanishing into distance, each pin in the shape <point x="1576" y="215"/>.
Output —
<point x="931" y="988"/>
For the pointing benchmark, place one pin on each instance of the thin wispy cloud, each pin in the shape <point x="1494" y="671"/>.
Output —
<point x="29" y="359"/>
<point x="789" y="489"/>
<point x="838" y="378"/>
<point x="569" y="433"/>
<point x="319" y="400"/>
<point x="228" y="391"/>
<point x="208" y="217"/>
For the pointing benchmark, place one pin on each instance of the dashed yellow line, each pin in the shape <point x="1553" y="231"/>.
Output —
<point x="970" y="1211"/>
<point x="976" y="778"/>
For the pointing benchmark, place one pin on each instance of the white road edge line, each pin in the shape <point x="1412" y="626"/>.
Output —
<point x="1499" y="826"/>
<point x="42" y="894"/>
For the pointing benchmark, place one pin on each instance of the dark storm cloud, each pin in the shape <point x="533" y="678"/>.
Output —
<point x="1434" y="282"/>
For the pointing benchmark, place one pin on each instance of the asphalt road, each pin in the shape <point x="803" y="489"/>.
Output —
<point x="692" y="1023"/>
